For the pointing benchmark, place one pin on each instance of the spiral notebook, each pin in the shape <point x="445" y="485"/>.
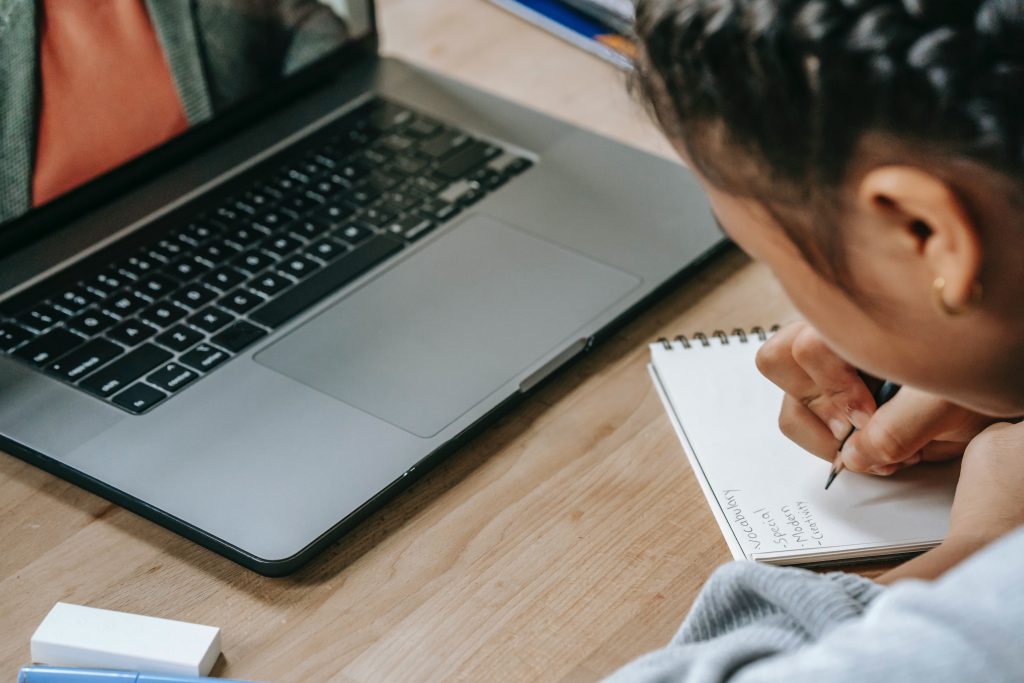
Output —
<point x="766" y="493"/>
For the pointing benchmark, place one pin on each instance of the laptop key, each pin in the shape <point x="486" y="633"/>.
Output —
<point x="12" y="335"/>
<point x="253" y="261"/>
<point x="194" y="296"/>
<point x="466" y="159"/>
<point x="125" y="370"/>
<point x="211" y="319"/>
<point x="75" y="300"/>
<point x="179" y="338"/>
<point x="268" y="284"/>
<point x="354" y="233"/>
<point x="326" y="281"/>
<point x="240" y="300"/>
<point x="131" y="332"/>
<point x="139" y="398"/>
<point x="326" y="249"/>
<point x="281" y="246"/>
<point x="411" y="227"/>
<point x="91" y="322"/>
<point x="204" y="357"/>
<point x="438" y="209"/>
<point x="82" y="361"/>
<point x="163" y="314"/>
<point x="49" y="347"/>
<point x="298" y="266"/>
<point x="223" y="278"/>
<point x="123" y="305"/>
<point x="172" y="377"/>
<point x="238" y="336"/>
<point x="42" y="317"/>
<point x="156" y="286"/>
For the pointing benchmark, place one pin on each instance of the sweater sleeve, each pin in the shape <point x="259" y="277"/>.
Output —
<point x="754" y="624"/>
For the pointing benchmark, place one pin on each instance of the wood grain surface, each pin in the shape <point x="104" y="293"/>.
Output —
<point x="565" y="540"/>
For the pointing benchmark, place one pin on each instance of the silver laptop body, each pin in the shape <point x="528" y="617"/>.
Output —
<point x="288" y="444"/>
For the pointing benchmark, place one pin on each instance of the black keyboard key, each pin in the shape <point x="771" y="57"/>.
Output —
<point x="211" y="319"/>
<point x="187" y="268"/>
<point x="326" y="249"/>
<point x="139" y="398"/>
<point x="254" y="261"/>
<point x="125" y="370"/>
<point x="172" y="377"/>
<point x="75" y="300"/>
<point x="428" y="185"/>
<point x="123" y="304"/>
<point x="223" y="278"/>
<point x="378" y="216"/>
<point x="245" y="237"/>
<point x="106" y="283"/>
<point x="216" y="253"/>
<point x="42" y="317"/>
<point x="298" y="266"/>
<point x="194" y="296"/>
<point x="196" y="233"/>
<point x="467" y="158"/>
<point x="309" y="229"/>
<point x="163" y="314"/>
<point x="411" y="227"/>
<point x="444" y="144"/>
<point x="238" y="336"/>
<point x="141" y="265"/>
<point x="84" y="360"/>
<point x="407" y="165"/>
<point x="403" y="201"/>
<point x="204" y="357"/>
<point x="12" y="335"/>
<point x="269" y="284"/>
<point x="421" y="127"/>
<point x="179" y="338"/>
<point x="281" y="246"/>
<point x="269" y="221"/>
<point x="240" y="301"/>
<point x="156" y="286"/>
<point x="354" y="233"/>
<point x="131" y="332"/>
<point x="438" y="209"/>
<point x="326" y="281"/>
<point x="91" y="322"/>
<point x="333" y="214"/>
<point x="49" y="347"/>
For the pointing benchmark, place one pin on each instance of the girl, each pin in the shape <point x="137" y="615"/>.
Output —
<point x="871" y="152"/>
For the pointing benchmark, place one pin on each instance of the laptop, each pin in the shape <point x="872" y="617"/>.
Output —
<point x="258" y="327"/>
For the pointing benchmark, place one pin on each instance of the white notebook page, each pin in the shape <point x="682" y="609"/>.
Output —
<point x="767" y="493"/>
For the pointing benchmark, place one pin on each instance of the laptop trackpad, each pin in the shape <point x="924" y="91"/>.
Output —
<point x="443" y="330"/>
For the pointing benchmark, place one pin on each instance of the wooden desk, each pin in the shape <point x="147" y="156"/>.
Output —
<point x="566" y="540"/>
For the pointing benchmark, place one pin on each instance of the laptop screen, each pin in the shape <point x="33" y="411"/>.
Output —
<point x="90" y="86"/>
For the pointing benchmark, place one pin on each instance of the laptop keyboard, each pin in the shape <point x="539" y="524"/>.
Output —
<point x="136" y="329"/>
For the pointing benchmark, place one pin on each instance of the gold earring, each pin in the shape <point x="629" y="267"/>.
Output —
<point x="939" y="291"/>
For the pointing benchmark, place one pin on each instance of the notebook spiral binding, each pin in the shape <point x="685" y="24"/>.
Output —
<point x="741" y="335"/>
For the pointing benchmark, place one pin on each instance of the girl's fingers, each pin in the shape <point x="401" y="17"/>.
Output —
<point x="802" y="426"/>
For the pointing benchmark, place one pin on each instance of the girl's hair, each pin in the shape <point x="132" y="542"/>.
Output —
<point x="795" y="84"/>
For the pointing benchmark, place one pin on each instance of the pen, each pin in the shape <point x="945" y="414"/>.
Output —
<point x="58" y="674"/>
<point x="884" y="393"/>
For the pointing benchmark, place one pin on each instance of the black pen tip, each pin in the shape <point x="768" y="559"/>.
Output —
<point x="831" y="478"/>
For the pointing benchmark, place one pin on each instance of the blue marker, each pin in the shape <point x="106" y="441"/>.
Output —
<point x="54" y="674"/>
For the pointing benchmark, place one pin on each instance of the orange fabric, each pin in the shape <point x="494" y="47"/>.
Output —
<point x="107" y="94"/>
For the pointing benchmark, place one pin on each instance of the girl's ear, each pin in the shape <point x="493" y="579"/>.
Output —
<point x="931" y="222"/>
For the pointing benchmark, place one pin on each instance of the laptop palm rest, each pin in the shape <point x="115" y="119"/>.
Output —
<point x="448" y="327"/>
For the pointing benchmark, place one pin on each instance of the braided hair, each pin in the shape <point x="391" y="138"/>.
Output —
<point x="796" y="84"/>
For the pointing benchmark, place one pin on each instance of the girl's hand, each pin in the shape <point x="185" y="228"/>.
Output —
<point x="826" y="397"/>
<point x="987" y="504"/>
<point x="988" y="501"/>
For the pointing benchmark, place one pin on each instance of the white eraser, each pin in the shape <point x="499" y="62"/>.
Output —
<point x="72" y="635"/>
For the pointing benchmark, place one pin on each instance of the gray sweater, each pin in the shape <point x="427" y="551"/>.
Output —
<point x="756" y="623"/>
